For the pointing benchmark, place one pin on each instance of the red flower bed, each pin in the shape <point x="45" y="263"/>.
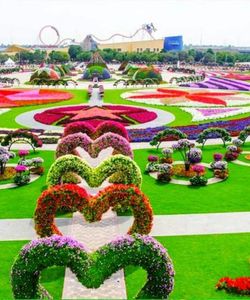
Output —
<point x="95" y="115"/>
<point x="12" y="98"/>
<point x="71" y="197"/>
<point x="240" y="285"/>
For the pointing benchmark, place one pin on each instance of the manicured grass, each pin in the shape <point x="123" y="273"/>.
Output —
<point x="52" y="279"/>
<point x="20" y="202"/>
<point x="199" y="262"/>
<point x="227" y="196"/>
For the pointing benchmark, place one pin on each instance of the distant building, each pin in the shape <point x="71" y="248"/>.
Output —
<point x="173" y="43"/>
<point x="89" y="44"/>
<point x="135" y="46"/>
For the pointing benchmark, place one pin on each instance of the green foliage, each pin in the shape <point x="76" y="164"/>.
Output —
<point x="59" y="57"/>
<point x="145" y="73"/>
<point x="198" y="180"/>
<point x="163" y="135"/>
<point x="131" y="173"/>
<point x="214" y="132"/>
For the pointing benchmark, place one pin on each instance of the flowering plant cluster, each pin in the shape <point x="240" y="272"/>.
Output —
<point x="23" y="153"/>
<point x="167" y="152"/>
<point x="34" y="164"/>
<point x="22" y="135"/>
<point x="217" y="156"/>
<point x="198" y="179"/>
<point x="138" y="250"/>
<point x="237" y="143"/>
<point x="232" y="153"/>
<point x="220" y="169"/>
<point x="153" y="158"/>
<point x="124" y="165"/>
<point x="240" y="285"/>
<point x="73" y="198"/>
<point x="68" y="144"/>
<point x="165" y="135"/>
<point x="194" y="155"/>
<point x="22" y="176"/>
<point x="94" y="133"/>
<point x="165" y="171"/>
<point x="212" y="133"/>
<point x="5" y="155"/>
<point x="184" y="146"/>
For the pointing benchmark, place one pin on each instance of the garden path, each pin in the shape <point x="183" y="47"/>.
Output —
<point x="163" y="225"/>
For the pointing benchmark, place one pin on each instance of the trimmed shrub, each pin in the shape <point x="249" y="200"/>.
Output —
<point x="145" y="73"/>
<point x="212" y="133"/>
<point x="96" y="71"/>
<point x="137" y="250"/>
<point x="166" y="134"/>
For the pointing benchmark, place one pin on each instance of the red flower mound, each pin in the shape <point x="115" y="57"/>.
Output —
<point x="71" y="197"/>
<point x="14" y="98"/>
<point x="240" y="285"/>
<point x="124" y="115"/>
<point x="94" y="133"/>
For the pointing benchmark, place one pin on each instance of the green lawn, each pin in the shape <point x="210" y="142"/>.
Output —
<point x="52" y="279"/>
<point x="228" y="196"/>
<point x="7" y="120"/>
<point x="199" y="262"/>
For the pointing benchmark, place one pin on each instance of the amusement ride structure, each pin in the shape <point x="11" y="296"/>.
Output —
<point x="91" y="41"/>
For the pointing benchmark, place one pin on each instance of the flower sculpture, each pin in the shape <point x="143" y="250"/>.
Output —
<point x="95" y="132"/>
<point x="138" y="250"/>
<point x="74" y="198"/>
<point x="68" y="144"/>
<point x="123" y="165"/>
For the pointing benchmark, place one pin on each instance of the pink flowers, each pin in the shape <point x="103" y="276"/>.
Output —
<point x="23" y="153"/>
<point x="20" y="168"/>
<point x="198" y="169"/>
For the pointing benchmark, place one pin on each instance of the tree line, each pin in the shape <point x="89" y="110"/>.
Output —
<point x="75" y="53"/>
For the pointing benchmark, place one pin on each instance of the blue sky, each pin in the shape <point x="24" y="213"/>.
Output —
<point x="224" y="22"/>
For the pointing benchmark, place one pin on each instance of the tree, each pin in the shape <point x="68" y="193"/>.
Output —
<point x="74" y="51"/>
<point x="59" y="57"/>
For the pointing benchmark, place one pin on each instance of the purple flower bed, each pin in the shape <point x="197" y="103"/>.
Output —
<point x="192" y="131"/>
<point x="221" y="83"/>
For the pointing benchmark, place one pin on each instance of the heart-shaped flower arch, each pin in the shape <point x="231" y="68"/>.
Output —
<point x="73" y="198"/>
<point x="68" y="144"/>
<point x="128" y="170"/>
<point x="94" y="133"/>
<point x="137" y="250"/>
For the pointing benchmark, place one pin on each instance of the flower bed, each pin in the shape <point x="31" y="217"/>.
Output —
<point x="192" y="131"/>
<point x="138" y="250"/>
<point x="240" y="285"/>
<point x="221" y="83"/>
<point x="164" y="96"/>
<point x="68" y="144"/>
<point x="124" y="115"/>
<point x="12" y="98"/>
<point x="73" y="198"/>
<point x="125" y="167"/>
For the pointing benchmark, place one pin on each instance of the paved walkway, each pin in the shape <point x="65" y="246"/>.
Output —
<point x="164" y="225"/>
